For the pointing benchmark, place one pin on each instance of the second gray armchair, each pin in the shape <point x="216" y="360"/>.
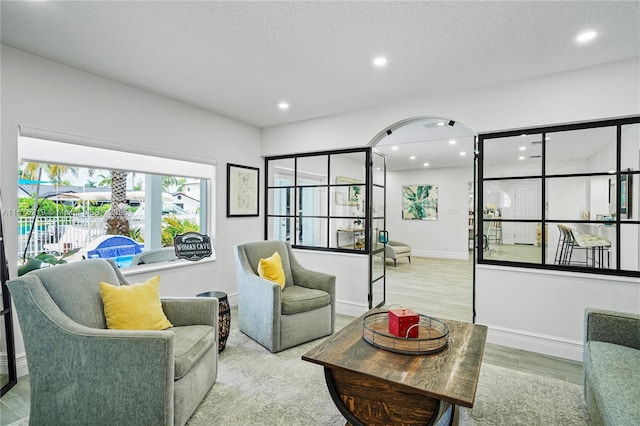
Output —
<point x="397" y="250"/>
<point x="280" y="318"/>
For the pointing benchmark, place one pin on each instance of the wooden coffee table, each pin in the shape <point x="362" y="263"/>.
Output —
<point x="372" y="386"/>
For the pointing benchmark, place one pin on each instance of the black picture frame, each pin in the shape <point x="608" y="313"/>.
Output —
<point x="243" y="190"/>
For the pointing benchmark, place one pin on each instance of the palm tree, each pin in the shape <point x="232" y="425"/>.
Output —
<point x="116" y="217"/>
<point x="53" y="171"/>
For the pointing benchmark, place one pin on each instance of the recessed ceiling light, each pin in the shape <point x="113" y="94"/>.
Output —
<point x="395" y="148"/>
<point x="523" y="148"/>
<point x="547" y="138"/>
<point x="523" y="135"/>
<point x="283" y="105"/>
<point x="380" y="61"/>
<point x="521" y="157"/>
<point x="586" y="36"/>
<point x="462" y="153"/>
<point x="452" y="142"/>
<point x="440" y="123"/>
<point x="612" y="172"/>
<point x="413" y="157"/>
<point x="426" y="164"/>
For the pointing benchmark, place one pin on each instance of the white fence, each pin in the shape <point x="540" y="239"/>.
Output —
<point x="57" y="234"/>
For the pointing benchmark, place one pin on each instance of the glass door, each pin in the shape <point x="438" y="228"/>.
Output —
<point x="377" y="235"/>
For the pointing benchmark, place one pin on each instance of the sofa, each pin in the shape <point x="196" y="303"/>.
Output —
<point x="612" y="367"/>
<point x="397" y="250"/>
<point x="82" y="373"/>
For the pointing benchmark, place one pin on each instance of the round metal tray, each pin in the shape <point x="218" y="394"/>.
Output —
<point x="433" y="335"/>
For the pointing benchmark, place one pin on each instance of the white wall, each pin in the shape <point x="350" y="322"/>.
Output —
<point x="46" y="95"/>
<point x="447" y="237"/>
<point x="537" y="304"/>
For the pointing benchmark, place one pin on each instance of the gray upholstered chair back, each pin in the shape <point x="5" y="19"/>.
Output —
<point x="263" y="249"/>
<point x="75" y="288"/>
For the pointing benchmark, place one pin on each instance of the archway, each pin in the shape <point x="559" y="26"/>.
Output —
<point x="435" y="156"/>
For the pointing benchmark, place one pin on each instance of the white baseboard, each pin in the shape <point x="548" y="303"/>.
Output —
<point x="21" y="364"/>
<point x="441" y="254"/>
<point x="351" y="308"/>
<point x="534" y="342"/>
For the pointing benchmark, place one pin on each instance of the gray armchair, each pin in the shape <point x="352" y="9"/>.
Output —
<point x="397" y="250"/>
<point x="282" y="318"/>
<point x="82" y="373"/>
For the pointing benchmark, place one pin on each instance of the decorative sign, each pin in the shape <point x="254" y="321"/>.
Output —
<point x="192" y="246"/>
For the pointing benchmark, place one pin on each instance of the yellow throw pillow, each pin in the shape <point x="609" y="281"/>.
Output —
<point x="135" y="306"/>
<point x="271" y="269"/>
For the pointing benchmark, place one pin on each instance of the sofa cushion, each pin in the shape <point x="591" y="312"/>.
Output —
<point x="296" y="299"/>
<point x="190" y="343"/>
<point x="613" y="372"/>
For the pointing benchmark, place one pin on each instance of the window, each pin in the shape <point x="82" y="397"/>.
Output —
<point x="158" y="198"/>
<point x="562" y="197"/>
<point x="318" y="200"/>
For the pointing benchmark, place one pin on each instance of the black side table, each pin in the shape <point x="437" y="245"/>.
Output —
<point x="224" y="316"/>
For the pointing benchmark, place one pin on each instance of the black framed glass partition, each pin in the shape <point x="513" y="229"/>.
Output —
<point x="331" y="201"/>
<point x="319" y="200"/>
<point x="562" y="197"/>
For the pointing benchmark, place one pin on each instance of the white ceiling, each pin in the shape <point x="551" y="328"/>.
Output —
<point x="240" y="59"/>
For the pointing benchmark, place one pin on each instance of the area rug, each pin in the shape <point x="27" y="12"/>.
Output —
<point x="256" y="387"/>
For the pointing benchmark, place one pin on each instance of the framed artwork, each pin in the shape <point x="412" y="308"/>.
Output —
<point x="242" y="190"/>
<point x="420" y="202"/>
<point x="349" y="195"/>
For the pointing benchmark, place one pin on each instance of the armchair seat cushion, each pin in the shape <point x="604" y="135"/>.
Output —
<point x="191" y="343"/>
<point x="296" y="299"/>
<point x="402" y="249"/>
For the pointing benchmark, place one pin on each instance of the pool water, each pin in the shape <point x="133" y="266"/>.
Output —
<point x="123" y="261"/>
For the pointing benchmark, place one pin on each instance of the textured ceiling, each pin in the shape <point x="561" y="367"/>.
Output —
<point x="240" y="59"/>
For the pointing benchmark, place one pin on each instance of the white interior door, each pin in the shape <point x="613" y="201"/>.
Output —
<point x="525" y="207"/>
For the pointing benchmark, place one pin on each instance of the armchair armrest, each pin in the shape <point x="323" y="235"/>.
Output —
<point x="619" y="328"/>
<point x="191" y="310"/>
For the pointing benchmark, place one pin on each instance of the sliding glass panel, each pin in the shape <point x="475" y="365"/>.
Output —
<point x="630" y="148"/>
<point x="515" y="242"/>
<point x="347" y="235"/>
<point x="280" y="201"/>
<point x="311" y="232"/>
<point x="630" y="247"/>
<point x="629" y="196"/>
<point x="348" y="168"/>
<point x="378" y="171"/>
<point x="280" y="228"/>
<point x="312" y="201"/>
<point x="581" y="151"/>
<point x="580" y="198"/>
<point x="280" y="172"/>
<point x="512" y="199"/>
<point x="582" y="244"/>
<point x="377" y="266"/>
<point x="312" y="170"/>
<point x="348" y="201"/>
<point x="377" y="292"/>
<point x="513" y="156"/>
<point x="377" y="225"/>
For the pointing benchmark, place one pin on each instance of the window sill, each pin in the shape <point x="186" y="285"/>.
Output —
<point x="162" y="266"/>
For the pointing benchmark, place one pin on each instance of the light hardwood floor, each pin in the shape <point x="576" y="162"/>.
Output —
<point x="443" y="288"/>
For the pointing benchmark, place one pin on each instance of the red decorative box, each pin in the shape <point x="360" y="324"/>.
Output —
<point x="400" y="320"/>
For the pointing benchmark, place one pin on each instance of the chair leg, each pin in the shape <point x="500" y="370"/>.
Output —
<point x="409" y="259"/>
<point x="395" y="263"/>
